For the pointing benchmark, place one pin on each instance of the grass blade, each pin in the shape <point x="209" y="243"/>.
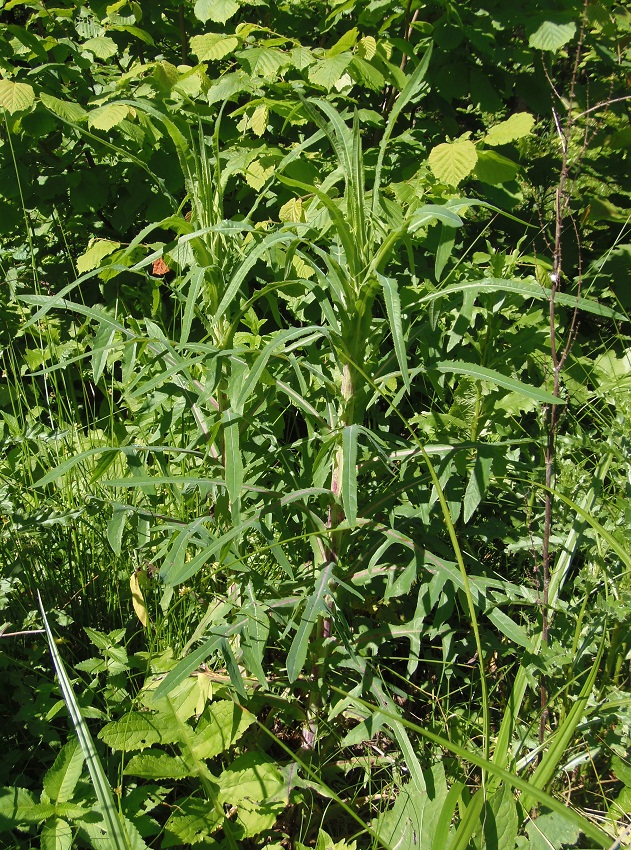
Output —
<point x="117" y="837"/>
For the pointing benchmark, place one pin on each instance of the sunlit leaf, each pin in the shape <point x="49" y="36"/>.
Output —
<point x="213" y="46"/>
<point x="326" y="72"/>
<point x="66" y="109"/>
<point x="516" y="127"/>
<point x="16" y="97"/>
<point x="451" y="162"/>
<point x="107" y="117"/>
<point x="102" y="46"/>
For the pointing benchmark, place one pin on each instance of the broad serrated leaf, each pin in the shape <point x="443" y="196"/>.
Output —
<point x="258" y="119"/>
<point x="451" y="162"/>
<point x="256" y="175"/>
<point x="292" y="210"/>
<point x="252" y="819"/>
<point x="218" y="11"/>
<point x="365" y="73"/>
<point x="16" y="97"/>
<point x="134" y="731"/>
<point x="326" y="72"/>
<point x="516" y="127"/>
<point x="399" y="827"/>
<point x="301" y="58"/>
<point x="550" y="830"/>
<point x="367" y="47"/>
<point x="253" y="776"/>
<point x="61" y="779"/>
<point x="220" y="726"/>
<point x="56" y="834"/>
<point x="108" y="116"/>
<point x="213" y="46"/>
<point x="95" y="254"/>
<point x="66" y="109"/>
<point x="192" y="822"/>
<point x="18" y="806"/>
<point x="102" y="47"/>
<point x="551" y="36"/>
<point x="263" y="61"/>
<point x="154" y="764"/>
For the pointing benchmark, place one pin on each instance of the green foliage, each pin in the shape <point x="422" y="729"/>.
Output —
<point x="314" y="423"/>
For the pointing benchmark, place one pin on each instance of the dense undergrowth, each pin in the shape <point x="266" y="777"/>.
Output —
<point x="314" y="425"/>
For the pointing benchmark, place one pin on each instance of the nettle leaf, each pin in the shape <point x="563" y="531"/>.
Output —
<point x="251" y="777"/>
<point x="95" y="254"/>
<point x="327" y="72"/>
<point x="218" y="11"/>
<point x="220" y="726"/>
<point x="108" y="116"/>
<point x="515" y="127"/>
<point x="56" y="835"/>
<point x="551" y="35"/>
<point x="61" y="779"/>
<point x="102" y="47"/>
<point x="213" y="46"/>
<point x="66" y="109"/>
<point x="192" y="821"/>
<point x="451" y="162"/>
<point x="154" y="764"/>
<point x="134" y="731"/>
<point x="16" y="97"/>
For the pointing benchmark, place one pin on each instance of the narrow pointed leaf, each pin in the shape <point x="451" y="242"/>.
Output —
<point x="116" y="832"/>
<point x="393" y="309"/>
<point x="349" y="472"/>
<point x="481" y="373"/>
<point x="314" y="608"/>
